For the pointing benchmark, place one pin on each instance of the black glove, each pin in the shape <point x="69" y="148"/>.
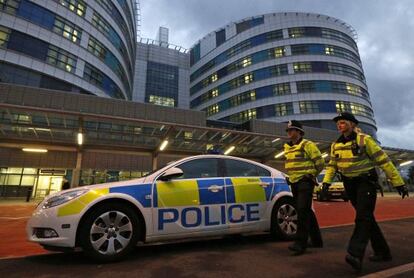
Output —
<point x="325" y="186"/>
<point x="402" y="190"/>
<point x="288" y="181"/>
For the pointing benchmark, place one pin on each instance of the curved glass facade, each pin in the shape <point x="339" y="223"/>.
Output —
<point x="283" y="66"/>
<point x="93" y="42"/>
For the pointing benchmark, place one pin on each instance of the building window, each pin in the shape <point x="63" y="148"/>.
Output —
<point x="302" y="67"/>
<point x="93" y="76"/>
<point x="329" y="50"/>
<point x="67" y="29"/>
<point x="100" y="23"/>
<point x="213" y="109"/>
<point x="243" y="116"/>
<point x="283" y="109"/>
<point x="281" y="89"/>
<point x="307" y="107"/>
<point x="9" y="6"/>
<point x="214" y="93"/>
<point x="163" y="101"/>
<point x="4" y="35"/>
<point x="248" y="78"/>
<point x="76" y="6"/>
<point x="246" y="62"/>
<point x="96" y="48"/>
<point x="214" y="77"/>
<point x="61" y="58"/>
<point x="279" y="52"/>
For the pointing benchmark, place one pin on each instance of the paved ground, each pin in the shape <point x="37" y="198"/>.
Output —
<point x="237" y="256"/>
<point x="234" y="256"/>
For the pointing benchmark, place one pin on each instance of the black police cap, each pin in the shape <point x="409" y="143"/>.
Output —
<point x="346" y="116"/>
<point x="295" y="125"/>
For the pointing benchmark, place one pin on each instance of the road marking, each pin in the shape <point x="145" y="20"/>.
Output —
<point x="392" y="271"/>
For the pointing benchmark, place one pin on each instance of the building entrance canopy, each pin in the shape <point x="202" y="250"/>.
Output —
<point x="54" y="121"/>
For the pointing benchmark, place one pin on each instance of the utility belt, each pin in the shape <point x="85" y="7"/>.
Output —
<point x="306" y="178"/>
<point x="370" y="177"/>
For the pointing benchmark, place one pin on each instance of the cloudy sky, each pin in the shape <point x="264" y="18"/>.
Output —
<point x="385" y="40"/>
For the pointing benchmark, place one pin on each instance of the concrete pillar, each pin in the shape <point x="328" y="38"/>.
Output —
<point x="77" y="170"/>
<point x="154" y="160"/>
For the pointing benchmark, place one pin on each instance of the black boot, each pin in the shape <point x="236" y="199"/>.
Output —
<point x="355" y="262"/>
<point x="297" y="249"/>
<point x="380" y="257"/>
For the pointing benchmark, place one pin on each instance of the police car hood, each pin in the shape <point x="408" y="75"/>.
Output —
<point x="139" y="181"/>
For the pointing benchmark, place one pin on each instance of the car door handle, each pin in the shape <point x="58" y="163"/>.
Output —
<point x="264" y="184"/>
<point x="215" y="188"/>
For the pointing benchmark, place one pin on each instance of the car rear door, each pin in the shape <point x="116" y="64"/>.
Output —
<point x="248" y="189"/>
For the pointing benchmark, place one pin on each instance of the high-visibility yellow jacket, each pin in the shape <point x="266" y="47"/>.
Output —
<point x="367" y="154"/>
<point x="302" y="159"/>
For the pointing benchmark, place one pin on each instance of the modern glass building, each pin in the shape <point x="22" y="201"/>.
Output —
<point x="161" y="73"/>
<point x="77" y="46"/>
<point x="278" y="67"/>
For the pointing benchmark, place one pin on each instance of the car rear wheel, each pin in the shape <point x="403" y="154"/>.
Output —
<point x="109" y="232"/>
<point x="284" y="219"/>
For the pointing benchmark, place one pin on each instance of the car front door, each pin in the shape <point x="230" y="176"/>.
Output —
<point x="192" y="203"/>
<point x="248" y="188"/>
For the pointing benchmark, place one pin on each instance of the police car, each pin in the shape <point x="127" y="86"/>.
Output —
<point x="199" y="196"/>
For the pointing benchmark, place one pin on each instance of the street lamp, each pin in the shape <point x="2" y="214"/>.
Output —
<point x="279" y="154"/>
<point x="406" y="163"/>
<point x="163" y="145"/>
<point x="229" y="150"/>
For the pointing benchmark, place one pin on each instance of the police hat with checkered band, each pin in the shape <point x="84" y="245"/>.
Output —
<point x="346" y="116"/>
<point x="295" y="125"/>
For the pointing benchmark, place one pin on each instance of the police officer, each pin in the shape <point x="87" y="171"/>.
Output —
<point x="354" y="155"/>
<point x="303" y="163"/>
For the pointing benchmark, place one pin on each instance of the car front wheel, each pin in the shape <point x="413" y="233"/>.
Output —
<point x="109" y="232"/>
<point x="284" y="219"/>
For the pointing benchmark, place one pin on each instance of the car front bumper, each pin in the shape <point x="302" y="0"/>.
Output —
<point x="47" y="219"/>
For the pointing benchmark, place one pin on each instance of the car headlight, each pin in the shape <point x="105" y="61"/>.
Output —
<point x="63" y="198"/>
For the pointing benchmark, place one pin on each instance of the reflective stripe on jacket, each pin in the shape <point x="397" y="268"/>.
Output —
<point x="344" y="161"/>
<point x="303" y="159"/>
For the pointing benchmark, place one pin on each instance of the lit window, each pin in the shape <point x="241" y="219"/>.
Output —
<point x="67" y="29"/>
<point x="163" y="101"/>
<point x="248" y="78"/>
<point x="253" y="95"/>
<point x="76" y="6"/>
<point x="279" y="52"/>
<point x="214" y="78"/>
<point x="4" y="35"/>
<point x="329" y="50"/>
<point x="61" y="58"/>
<point x="214" y="93"/>
<point x="213" y="109"/>
<point x="246" y="62"/>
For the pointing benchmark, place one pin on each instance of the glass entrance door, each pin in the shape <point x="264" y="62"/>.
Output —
<point x="48" y="185"/>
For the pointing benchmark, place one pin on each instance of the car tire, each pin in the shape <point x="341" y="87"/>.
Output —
<point x="109" y="232"/>
<point x="284" y="219"/>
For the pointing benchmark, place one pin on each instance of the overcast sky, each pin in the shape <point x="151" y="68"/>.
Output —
<point x="385" y="40"/>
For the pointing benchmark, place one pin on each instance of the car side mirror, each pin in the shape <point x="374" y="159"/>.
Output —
<point x="171" y="173"/>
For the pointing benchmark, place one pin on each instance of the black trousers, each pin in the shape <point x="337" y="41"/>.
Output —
<point x="307" y="223"/>
<point x="362" y="193"/>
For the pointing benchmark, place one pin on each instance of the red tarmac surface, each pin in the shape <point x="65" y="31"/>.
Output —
<point x="13" y="218"/>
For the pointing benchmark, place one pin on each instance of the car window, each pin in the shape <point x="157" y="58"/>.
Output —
<point x="237" y="168"/>
<point x="199" y="168"/>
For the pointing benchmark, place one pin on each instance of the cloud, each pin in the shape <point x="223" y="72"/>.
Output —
<point x="385" y="43"/>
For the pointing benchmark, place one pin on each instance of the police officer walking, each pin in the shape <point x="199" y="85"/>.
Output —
<point x="303" y="163"/>
<point x="354" y="155"/>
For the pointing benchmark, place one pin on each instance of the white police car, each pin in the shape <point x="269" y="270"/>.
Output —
<point x="205" y="195"/>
